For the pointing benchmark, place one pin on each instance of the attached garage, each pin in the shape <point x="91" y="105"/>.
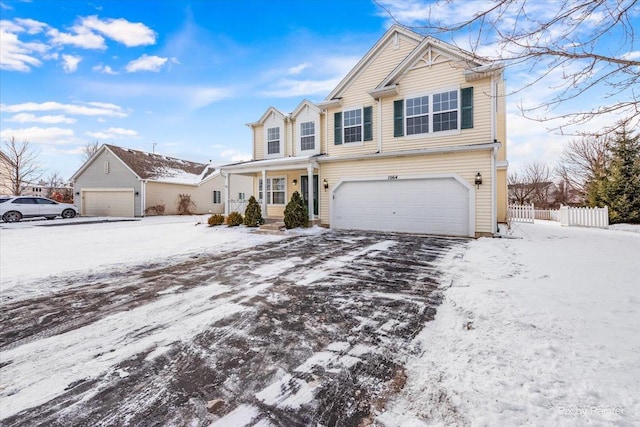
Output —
<point x="440" y="204"/>
<point x="105" y="202"/>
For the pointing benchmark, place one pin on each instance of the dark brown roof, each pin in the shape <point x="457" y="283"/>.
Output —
<point x="161" y="168"/>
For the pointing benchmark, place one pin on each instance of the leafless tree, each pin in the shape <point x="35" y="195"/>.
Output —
<point x="24" y="168"/>
<point x="532" y="185"/>
<point x="53" y="182"/>
<point x="577" y="47"/>
<point x="89" y="150"/>
<point x="583" y="161"/>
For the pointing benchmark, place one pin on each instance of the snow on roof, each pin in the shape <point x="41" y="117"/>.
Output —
<point x="156" y="167"/>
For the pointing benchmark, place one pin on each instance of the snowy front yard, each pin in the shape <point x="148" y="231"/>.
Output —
<point x="165" y="321"/>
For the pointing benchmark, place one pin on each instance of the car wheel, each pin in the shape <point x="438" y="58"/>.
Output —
<point x="68" y="213"/>
<point x="12" y="216"/>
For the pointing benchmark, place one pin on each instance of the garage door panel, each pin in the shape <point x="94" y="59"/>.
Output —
<point x="425" y="205"/>
<point x="108" y="203"/>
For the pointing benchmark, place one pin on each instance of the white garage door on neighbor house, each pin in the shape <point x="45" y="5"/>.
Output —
<point x="106" y="202"/>
<point x="434" y="205"/>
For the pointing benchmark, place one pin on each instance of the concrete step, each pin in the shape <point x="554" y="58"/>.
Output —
<point x="273" y="226"/>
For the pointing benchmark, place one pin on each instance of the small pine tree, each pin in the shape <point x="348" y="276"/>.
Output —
<point x="253" y="213"/>
<point x="234" y="219"/>
<point x="295" y="214"/>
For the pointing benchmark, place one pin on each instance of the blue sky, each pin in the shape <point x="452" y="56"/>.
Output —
<point x="186" y="76"/>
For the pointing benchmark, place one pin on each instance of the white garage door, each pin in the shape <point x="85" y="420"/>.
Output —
<point x="420" y="205"/>
<point x="108" y="203"/>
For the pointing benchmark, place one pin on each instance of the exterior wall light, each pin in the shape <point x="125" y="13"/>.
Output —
<point x="325" y="184"/>
<point x="478" y="180"/>
<point x="295" y="182"/>
<point x="137" y="194"/>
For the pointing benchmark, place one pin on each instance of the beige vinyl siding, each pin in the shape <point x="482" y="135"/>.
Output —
<point x="356" y="95"/>
<point x="501" y="131"/>
<point x="435" y="79"/>
<point x="258" y="138"/>
<point x="168" y="194"/>
<point x="501" y="188"/>
<point x="466" y="165"/>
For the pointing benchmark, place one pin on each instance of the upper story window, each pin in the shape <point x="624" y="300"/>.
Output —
<point x="273" y="140"/>
<point x="442" y="111"/>
<point x="417" y="115"/>
<point x="307" y="136"/>
<point x="353" y="126"/>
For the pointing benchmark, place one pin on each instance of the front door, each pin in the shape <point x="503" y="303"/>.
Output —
<point x="304" y="181"/>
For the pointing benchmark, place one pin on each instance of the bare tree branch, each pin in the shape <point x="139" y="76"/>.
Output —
<point x="24" y="168"/>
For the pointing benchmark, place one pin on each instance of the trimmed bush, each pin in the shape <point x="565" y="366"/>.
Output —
<point x="253" y="213"/>
<point x="295" y="214"/>
<point x="216" y="219"/>
<point x="234" y="219"/>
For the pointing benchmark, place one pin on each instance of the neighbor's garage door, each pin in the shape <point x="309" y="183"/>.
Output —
<point x="108" y="203"/>
<point x="420" y="205"/>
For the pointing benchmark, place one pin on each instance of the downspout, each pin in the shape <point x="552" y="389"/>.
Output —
<point x="226" y="192"/>
<point x="494" y="154"/>
<point x="380" y="125"/>
<point x="143" y="196"/>
<point x="326" y="133"/>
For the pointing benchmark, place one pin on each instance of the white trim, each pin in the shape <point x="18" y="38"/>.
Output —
<point x="379" y="125"/>
<point x="281" y="135"/>
<point x="407" y="153"/>
<point x="143" y="197"/>
<point x="432" y="113"/>
<point x="353" y="143"/>
<point x="264" y="190"/>
<point x="458" y="178"/>
<point x="494" y="193"/>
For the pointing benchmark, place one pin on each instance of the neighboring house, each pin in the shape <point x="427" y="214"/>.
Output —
<point x="5" y="175"/>
<point x="118" y="181"/>
<point x="398" y="145"/>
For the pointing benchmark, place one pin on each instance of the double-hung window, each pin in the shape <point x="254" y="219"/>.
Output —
<point x="273" y="140"/>
<point x="418" y="115"/>
<point x="307" y="136"/>
<point x="275" y="190"/>
<point x="445" y="111"/>
<point x="217" y="197"/>
<point x="353" y="125"/>
<point x="436" y="112"/>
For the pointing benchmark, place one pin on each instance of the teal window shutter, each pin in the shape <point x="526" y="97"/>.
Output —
<point x="467" y="108"/>
<point x="398" y="118"/>
<point x="337" y="128"/>
<point x="368" y="123"/>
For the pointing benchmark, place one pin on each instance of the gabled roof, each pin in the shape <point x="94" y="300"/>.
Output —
<point x="266" y="114"/>
<point x="371" y="54"/>
<point x="430" y="45"/>
<point x="156" y="167"/>
<point x="300" y="107"/>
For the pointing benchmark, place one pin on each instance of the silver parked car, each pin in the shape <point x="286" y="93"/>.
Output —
<point x="15" y="208"/>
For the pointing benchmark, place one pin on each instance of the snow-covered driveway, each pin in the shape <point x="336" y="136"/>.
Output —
<point x="295" y="331"/>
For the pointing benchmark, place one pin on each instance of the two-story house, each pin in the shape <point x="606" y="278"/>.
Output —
<point x="411" y="140"/>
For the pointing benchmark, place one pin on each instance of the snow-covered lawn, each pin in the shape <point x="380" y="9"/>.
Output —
<point x="541" y="330"/>
<point x="39" y="249"/>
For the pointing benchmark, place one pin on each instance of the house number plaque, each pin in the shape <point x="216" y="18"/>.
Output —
<point x="392" y="177"/>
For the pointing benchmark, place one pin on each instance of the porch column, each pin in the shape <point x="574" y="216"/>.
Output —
<point x="264" y="193"/>
<point x="226" y="194"/>
<point x="310" y="191"/>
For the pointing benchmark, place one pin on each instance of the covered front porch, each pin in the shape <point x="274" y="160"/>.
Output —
<point x="274" y="181"/>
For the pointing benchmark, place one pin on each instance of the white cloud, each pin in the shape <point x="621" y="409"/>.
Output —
<point x="125" y="32"/>
<point x="146" y="63"/>
<point x="294" y="71"/>
<point x="16" y="55"/>
<point x="289" y="88"/>
<point x="202" y="96"/>
<point x="113" y="133"/>
<point x="37" y="135"/>
<point x="82" y="38"/>
<point x="70" y="63"/>
<point x="90" y="109"/>
<point x="31" y="26"/>
<point x="104" y="69"/>
<point x="32" y="118"/>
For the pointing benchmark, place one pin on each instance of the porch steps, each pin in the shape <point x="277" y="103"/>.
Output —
<point x="273" y="226"/>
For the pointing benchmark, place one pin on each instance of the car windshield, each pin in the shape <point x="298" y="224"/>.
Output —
<point x="2" y="200"/>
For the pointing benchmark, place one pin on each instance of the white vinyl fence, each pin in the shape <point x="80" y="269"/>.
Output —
<point x="584" y="217"/>
<point x="547" y="214"/>
<point x="521" y="213"/>
<point x="239" y="205"/>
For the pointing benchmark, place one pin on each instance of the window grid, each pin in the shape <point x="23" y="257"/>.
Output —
<point x="352" y="126"/>
<point x="217" y="197"/>
<point x="444" y="106"/>
<point x="273" y="140"/>
<point x="418" y="115"/>
<point x="275" y="190"/>
<point x="307" y="136"/>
